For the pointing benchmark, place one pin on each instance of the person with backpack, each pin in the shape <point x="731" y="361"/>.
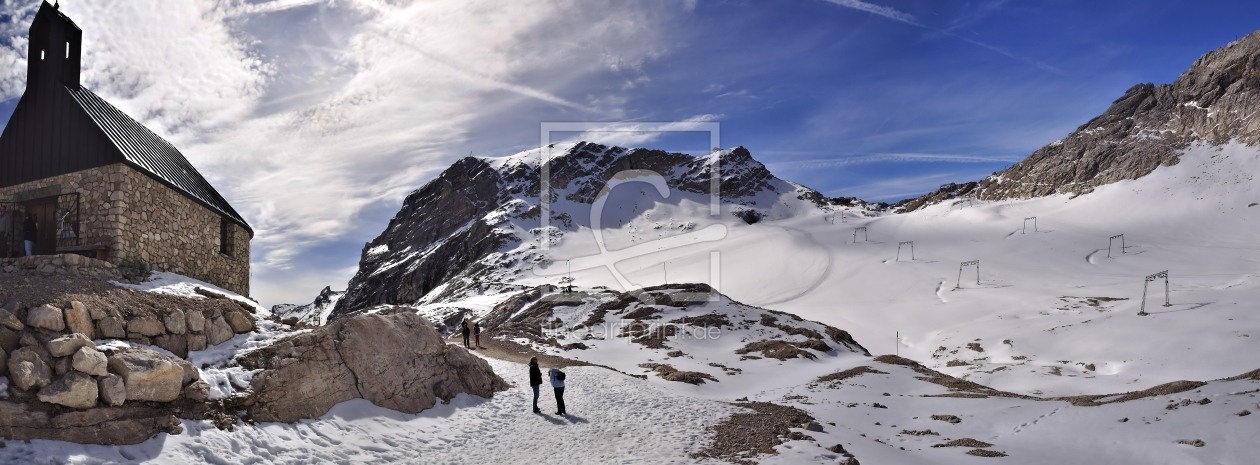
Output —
<point x="466" y="333"/>
<point x="557" y="382"/>
<point x="477" y="333"/>
<point x="30" y="234"/>
<point x="535" y="380"/>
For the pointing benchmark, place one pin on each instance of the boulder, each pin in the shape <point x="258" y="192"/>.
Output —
<point x="47" y="317"/>
<point x="79" y="321"/>
<point x="240" y="321"/>
<point x="113" y="390"/>
<point x="74" y="390"/>
<point x="395" y="359"/>
<point x="67" y="345"/>
<point x="148" y="375"/>
<point x="28" y="370"/>
<point x="96" y="312"/>
<point x="9" y="339"/>
<point x="197" y="391"/>
<point x="112" y="327"/>
<point x="145" y="326"/>
<point x="196" y="342"/>
<point x="61" y="365"/>
<point x="218" y="331"/>
<point x="176" y="343"/>
<point x="191" y="373"/>
<point x="196" y="321"/>
<point x="176" y="322"/>
<point x="91" y="361"/>
<point x="8" y="320"/>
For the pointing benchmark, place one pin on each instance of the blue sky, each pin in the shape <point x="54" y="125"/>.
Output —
<point x="314" y="118"/>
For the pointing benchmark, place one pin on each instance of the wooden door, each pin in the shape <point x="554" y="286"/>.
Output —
<point x="46" y="222"/>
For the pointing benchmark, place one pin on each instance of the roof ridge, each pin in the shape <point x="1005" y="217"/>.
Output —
<point x="152" y="154"/>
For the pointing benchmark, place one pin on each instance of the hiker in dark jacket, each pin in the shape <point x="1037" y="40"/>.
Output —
<point x="557" y="382"/>
<point x="30" y="234"/>
<point x="535" y="380"/>
<point x="477" y="333"/>
<point x="466" y="333"/>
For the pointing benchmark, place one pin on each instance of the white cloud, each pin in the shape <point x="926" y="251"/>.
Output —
<point x="352" y="104"/>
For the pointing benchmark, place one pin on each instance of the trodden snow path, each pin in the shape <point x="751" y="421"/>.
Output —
<point x="613" y="419"/>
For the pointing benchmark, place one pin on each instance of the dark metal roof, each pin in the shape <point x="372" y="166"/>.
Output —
<point x="151" y="154"/>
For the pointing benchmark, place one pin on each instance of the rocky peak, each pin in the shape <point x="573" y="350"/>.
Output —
<point x="1146" y="127"/>
<point x="446" y="229"/>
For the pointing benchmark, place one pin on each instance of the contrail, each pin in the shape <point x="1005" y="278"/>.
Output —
<point x="899" y="16"/>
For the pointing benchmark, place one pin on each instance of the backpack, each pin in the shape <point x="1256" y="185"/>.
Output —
<point x="560" y="375"/>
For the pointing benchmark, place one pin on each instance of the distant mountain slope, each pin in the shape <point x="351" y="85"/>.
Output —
<point x="314" y="313"/>
<point x="477" y="227"/>
<point x="1214" y="101"/>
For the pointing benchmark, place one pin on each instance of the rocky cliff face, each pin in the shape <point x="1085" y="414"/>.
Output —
<point x="1214" y="101"/>
<point x="454" y="234"/>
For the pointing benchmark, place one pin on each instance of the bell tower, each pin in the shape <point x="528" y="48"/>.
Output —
<point x="54" y="52"/>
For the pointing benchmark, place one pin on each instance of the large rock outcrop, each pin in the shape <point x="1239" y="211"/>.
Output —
<point x="1213" y="102"/>
<point x="395" y="359"/>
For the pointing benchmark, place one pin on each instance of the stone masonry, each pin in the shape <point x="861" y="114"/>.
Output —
<point x="134" y="216"/>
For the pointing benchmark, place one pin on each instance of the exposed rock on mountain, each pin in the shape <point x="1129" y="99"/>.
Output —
<point x="395" y="359"/>
<point x="314" y="313"/>
<point x="452" y="234"/>
<point x="1214" y="101"/>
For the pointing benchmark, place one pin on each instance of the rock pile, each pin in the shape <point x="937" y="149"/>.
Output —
<point x="59" y="264"/>
<point x="53" y="367"/>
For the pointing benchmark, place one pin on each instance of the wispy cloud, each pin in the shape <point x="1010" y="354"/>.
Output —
<point x="888" y="158"/>
<point x="903" y="17"/>
<point x="350" y="105"/>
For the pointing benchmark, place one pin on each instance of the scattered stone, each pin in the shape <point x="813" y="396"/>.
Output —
<point x="218" y="331"/>
<point x="926" y="432"/>
<point x="28" y="370"/>
<point x="95" y="312"/>
<point x="47" y="317"/>
<point x="196" y="322"/>
<point x="190" y="372"/>
<point x="198" y="391"/>
<point x="1124" y="420"/>
<point x="850" y="461"/>
<point x="175" y="321"/>
<point x="175" y="343"/>
<point x="74" y="390"/>
<point x="838" y="448"/>
<point x="79" y="321"/>
<point x="948" y="418"/>
<point x="964" y="442"/>
<point x="61" y="365"/>
<point x="1243" y="413"/>
<point x="986" y="453"/>
<point x="814" y="426"/>
<point x="91" y="361"/>
<point x="112" y="327"/>
<point x="148" y="375"/>
<point x="196" y="342"/>
<point x="66" y="346"/>
<point x="146" y="326"/>
<point x="239" y="321"/>
<point x="112" y="389"/>
<point x="9" y="321"/>
<point x="1192" y="442"/>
